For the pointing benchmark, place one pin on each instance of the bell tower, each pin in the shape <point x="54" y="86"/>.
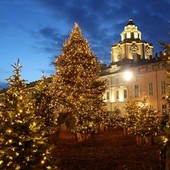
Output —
<point x="131" y="45"/>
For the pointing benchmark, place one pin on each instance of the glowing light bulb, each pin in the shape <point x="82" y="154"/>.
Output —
<point x="8" y="130"/>
<point x="128" y="75"/>
<point x="10" y="140"/>
<point x="42" y="162"/>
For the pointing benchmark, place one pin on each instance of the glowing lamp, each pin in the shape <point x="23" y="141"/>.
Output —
<point x="128" y="75"/>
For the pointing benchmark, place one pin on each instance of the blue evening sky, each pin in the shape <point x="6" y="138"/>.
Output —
<point x="35" y="30"/>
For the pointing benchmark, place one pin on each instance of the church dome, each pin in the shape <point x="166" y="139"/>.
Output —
<point x="130" y="32"/>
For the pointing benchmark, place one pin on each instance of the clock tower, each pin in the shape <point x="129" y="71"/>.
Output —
<point x="131" y="45"/>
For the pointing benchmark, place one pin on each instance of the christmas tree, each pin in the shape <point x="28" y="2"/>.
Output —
<point x="148" y="124"/>
<point x="142" y="121"/>
<point x="165" y="150"/>
<point x="42" y="98"/>
<point x="132" y="113"/>
<point x="23" y="144"/>
<point x="76" y="88"/>
<point x="115" y="118"/>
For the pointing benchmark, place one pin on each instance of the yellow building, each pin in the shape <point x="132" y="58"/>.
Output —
<point x="134" y="72"/>
<point x="131" y="45"/>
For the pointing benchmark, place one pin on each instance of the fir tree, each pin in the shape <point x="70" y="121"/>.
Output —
<point x="148" y="122"/>
<point x="132" y="113"/>
<point x="76" y="88"/>
<point x="165" y="150"/>
<point x="142" y="121"/>
<point x="23" y="144"/>
<point x="115" y="118"/>
<point x="42" y="98"/>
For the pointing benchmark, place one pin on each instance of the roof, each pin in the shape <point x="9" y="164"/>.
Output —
<point x="130" y="22"/>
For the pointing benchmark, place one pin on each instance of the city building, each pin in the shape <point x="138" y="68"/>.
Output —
<point x="134" y="72"/>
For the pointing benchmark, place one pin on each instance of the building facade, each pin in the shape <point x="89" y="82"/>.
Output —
<point x="134" y="73"/>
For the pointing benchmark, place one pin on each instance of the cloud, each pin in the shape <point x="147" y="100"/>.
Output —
<point x="48" y="39"/>
<point x="3" y="85"/>
<point x="102" y="21"/>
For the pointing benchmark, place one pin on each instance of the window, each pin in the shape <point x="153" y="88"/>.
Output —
<point x="108" y="96"/>
<point x="150" y="90"/>
<point x="117" y="94"/>
<point x="163" y="90"/>
<point x="163" y="108"/>
<point x="128" y="34"/>
<point x="135" y="35"/>
<point x="137" y="90"/>
<point x="125" y="94"/>
<point x="117" y="81"/>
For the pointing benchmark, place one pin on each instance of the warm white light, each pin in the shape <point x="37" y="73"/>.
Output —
<point x="121" y="95"/>
<point x="112" y="98"/>
<point x="128" y="75"/>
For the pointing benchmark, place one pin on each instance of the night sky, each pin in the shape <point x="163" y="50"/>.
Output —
<point x="35" y="30"/>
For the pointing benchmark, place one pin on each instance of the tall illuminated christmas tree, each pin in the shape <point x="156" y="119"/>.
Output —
<point x="23" y="145"/>
<point x="76" y="88"/>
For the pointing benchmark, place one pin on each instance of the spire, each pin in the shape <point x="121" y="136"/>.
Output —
<point x="130" y="22"/>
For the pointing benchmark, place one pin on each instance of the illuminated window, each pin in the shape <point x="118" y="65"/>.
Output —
<point x="150" y="89"/>
<point x="128" y="35"/>
<point x="137" y="90"/>
<point x="135" y="35"/>
<point x="163" y="89"/>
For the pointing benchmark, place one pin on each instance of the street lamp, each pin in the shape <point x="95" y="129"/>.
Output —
<point x="127" y="75"/>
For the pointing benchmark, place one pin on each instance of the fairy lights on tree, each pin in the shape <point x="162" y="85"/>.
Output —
<point x="142" y="121"/>
<point x="23" y="144"/>
<point x="42" y="99"/>
<point x="76" y="88"/>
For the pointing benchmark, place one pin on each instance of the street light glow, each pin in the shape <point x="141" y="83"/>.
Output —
<point x="128" y="75"/>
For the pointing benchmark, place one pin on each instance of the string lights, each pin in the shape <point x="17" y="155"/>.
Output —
<point x="76" y="89"/>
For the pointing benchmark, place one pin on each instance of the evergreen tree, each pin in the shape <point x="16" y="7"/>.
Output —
<point x="132" y="113"/>
<point x="165" y="150"/>
<point x="148" y="122"/>
<point x="115" y="117"/>
<point x="76" y="88"/>
<point x="142" y="121"/>
<point x="23" y="145"/>
<point x="42" y="98"/>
